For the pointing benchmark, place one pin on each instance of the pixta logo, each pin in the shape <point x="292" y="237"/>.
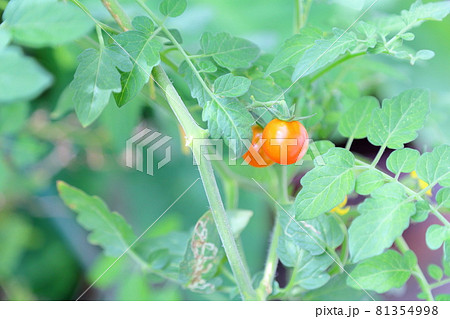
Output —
<point x="143" y="145"/>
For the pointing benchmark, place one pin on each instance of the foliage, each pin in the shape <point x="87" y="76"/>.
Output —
<point x="328" y="245"/>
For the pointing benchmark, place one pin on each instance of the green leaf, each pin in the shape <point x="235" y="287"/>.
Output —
<point x="229" y="85"/>
<point x="172" y="8"/>
<point x="419" y="12"/>
<point x="228" y="51"/>
<point x="442" y="297"/>
<point x="318" y="148"/>
<point x="40" y="23"/>
<point x="94" y="81"/>
<point x="436" y="235"/>
<point x="265" y="90"/>
<point x="422" y="211"/>
<point x="144" y="50"/>
<point x="13" y="117"/>
<point x="108" y="229"/>
<point x="443" y="197"/>
<point x="369" y="181"/>
<point x="369" y="33"/>
<point x="354" y="121"/>
<point x="206" y="66"/>
<point x="384" y="217"/>
<point x="197" y="90"/>
<point x="382" y="273"/>
<point x="229" y="119"/>
<point x="310" y="271"/>
<point x="21" y="77"/>
<point x="293" y="49"/>
<point x="325" y="186"/>
<point x="143" y="24"/>
<point x="239" y="219"/>
<point x="324" y="52"/>
<point x="403" y="160"/>
<point x="203" y="256"/>
<point x="434" y="167"/>
<point x="64" y="104"/>
<point x="314" y="235"/>
<point x="336" y="290"/>
<point x="397" y="122"/>
<point x="435" y="272"/>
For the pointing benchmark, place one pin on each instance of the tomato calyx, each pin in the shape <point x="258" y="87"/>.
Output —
<point x="279" y="110"/>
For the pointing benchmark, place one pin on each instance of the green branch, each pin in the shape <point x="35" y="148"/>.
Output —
<point x="192" y="130"/>
<point x="265" y="286"/>
<point x="118" y="14"/>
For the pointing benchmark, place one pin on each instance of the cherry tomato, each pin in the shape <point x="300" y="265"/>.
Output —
<point x="285" y="142"/>
<point x="263" y="160"/>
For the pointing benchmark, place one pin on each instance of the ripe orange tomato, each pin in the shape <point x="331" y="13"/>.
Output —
<point x="285" y="142"/>
<point x="263" y="160"/>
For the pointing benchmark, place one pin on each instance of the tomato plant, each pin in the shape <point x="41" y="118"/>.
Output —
<point x="346" y="108"/>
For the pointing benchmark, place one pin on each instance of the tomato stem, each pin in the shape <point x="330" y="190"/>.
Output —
<point x="192" y="131"/>
<point x="265" y="286"/>
<point x="118" y="14"/>
<point x="210" y="185"/>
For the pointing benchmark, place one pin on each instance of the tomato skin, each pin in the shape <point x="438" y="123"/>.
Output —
<point x="257" y="148"/>
<point x="285" y="142"/>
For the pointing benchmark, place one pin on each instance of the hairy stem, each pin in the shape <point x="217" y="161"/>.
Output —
<point x="417" y="272"/>
<point x="118" y="14"/>
<point x="210" y="185"/>
<point x="265" y="286"/>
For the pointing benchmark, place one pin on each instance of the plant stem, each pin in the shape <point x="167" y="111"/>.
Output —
<point x="298" y="19"/>
<point x="349" y="143"/>
<point x="265" y="286"/>
<point x="100" y="37"/>
<point x="192" y="130"/>
<point x="417" y="272"/>
<point x="440" y="283"/>
<point x="118" y="14"/>
<point x="336" y="63"/>
<point x="378" y="157"/>
<point x="284" y="185"/>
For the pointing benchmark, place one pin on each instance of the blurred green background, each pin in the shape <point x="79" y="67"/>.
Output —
<point x="44" y="253"/>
